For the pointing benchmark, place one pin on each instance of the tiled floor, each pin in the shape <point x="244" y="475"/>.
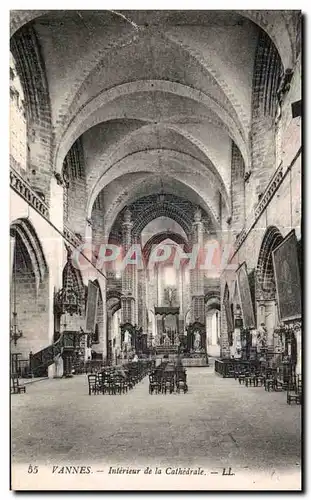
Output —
<point x="218" y="422"/>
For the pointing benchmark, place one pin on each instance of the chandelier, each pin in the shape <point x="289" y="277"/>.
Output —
<point x="15" y="332"/>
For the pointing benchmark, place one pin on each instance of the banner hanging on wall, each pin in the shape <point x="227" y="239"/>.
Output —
<point x="228" y="311"/>
<point x="245" y="297"/>
<point x="91" y="307"/>
<point x="287" y="278"/>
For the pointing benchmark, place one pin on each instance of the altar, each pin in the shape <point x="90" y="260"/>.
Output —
<point x="168" y="329"/>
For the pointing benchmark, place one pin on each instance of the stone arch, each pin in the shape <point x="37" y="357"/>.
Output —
<point x="28" y="236"/>
<point x="110" y="155"/>
<point x="265" y="111"/>
<point x="113" y="294"/>
<point x="131" y="190"/>
<point x="88" y="115"/>
<point x="265" y="282"/>
<point x="30" y="296"/>
<point x="263" y="19"/>
<point x="18" y="121"/>
<point x="75" y="190"/>
<point x="31" y="71"/>
<point x="115" y="307"/>
<point x="148" y="161"/>
<point x="280" y="37"/>
<point x="158" y="238"/>
<point x="185" y="51"/>
<point x="164" y="210"/>
<point x="212" y="300"/>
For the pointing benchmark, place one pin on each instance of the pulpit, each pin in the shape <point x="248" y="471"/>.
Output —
<point x="71" y="345"/>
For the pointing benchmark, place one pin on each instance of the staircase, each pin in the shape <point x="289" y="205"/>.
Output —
<point x="41" y="360"/>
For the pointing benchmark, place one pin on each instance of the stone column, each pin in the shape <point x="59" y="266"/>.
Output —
<point x="102" y="320"/>
<point x="209" y="331"/>
<point x="12" y="252"/>
<point x="128" y="278"/>
<point x="136" y="242"/>
<point x="236" y="349"/>
<point x="196" y="274"/>
<point x="142" y="300"/>
<point x="180" y="290"/>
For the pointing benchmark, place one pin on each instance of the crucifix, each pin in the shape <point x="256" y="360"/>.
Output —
<point x="170" y="291"/>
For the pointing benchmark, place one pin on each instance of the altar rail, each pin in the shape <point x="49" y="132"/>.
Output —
<point x="227" y="367"/>
<point x="191" y="362"/>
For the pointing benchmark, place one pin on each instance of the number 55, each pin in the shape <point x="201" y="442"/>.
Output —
<point x="32" y="469"/>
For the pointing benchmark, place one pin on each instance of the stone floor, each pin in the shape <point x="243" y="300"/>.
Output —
<point x="217" y="423"/>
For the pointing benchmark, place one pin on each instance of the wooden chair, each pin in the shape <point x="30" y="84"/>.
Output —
<point x="269" y="381"/>
<point x="260" y="379"/>
<point x="16" y="388"/>
<point x="93" y="384"/>
<point x="242" y="376"/>
<point x="168" y="382"/>
<point x="154" y="383"/>
<point x="250" y="380"/>
<point x="294" y="393"/>
<point x="108" y="383"/>
<point x="119" y="384"/>
<point x="181" y="381"/>
<point x="101" y="382"/>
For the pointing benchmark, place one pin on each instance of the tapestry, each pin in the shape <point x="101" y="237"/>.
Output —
<point x="287" y="278"/>
<point x="91" y="307"/>
<point x="245" y="297"/>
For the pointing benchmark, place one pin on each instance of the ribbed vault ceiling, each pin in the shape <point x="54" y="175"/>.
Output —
<point x="154" y="95"/>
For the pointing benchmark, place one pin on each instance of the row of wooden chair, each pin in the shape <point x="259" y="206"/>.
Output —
<point x="162" y="381"/>
<point x="16" y="387"/>
<point x="118" y="380"/>
<point x="270" y="379"/>
<point x="294" y="392"/>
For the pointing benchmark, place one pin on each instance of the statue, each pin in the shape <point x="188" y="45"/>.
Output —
<point x="157" y="340"/>
<point x="197" y="340"/>
<point x="166" y="341"/>
<point x="262" y="336"/>
<point x="170" y="294"/>
<point x="127" y="338"/>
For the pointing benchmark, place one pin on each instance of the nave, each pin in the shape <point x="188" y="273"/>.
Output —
<point x="155" y="213"/>
<point x="217" y="423"/>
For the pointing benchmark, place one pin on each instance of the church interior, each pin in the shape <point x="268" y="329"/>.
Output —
<point x="155" y="228"/>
